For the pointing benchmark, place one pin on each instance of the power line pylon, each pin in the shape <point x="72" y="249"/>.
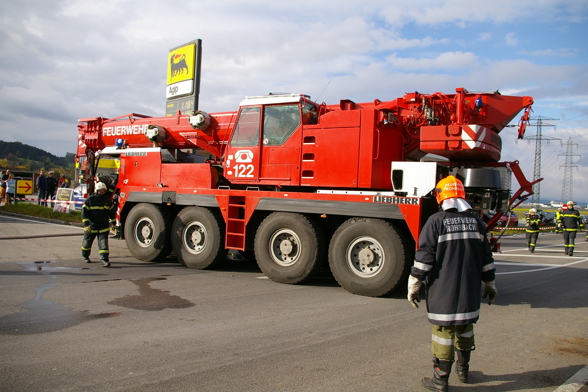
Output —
<point x="536" y="198"/>
<point x="567" y="189"/>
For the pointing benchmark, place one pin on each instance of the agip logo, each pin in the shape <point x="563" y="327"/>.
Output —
<point x="180" y="71"/>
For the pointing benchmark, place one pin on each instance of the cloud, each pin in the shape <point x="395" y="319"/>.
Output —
<point x="444" y="61"/>
<point x="561" y="52"/>
<point x="68" y="59"/>
<point x="511" y="40"/>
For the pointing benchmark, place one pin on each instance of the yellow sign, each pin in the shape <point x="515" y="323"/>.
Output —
<point x="64" y="201"/>
<point x="181" y="64"/>
<point x="183" y="78"/>
<point x="24" y="187"/>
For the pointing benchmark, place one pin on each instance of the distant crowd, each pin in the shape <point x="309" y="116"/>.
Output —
<point x="46" y="186"/>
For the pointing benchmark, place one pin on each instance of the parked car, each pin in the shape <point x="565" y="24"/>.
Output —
<point x="509" y="219"/>
<point x="548" y="219"/>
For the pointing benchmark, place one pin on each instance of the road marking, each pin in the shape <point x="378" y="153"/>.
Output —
<point x="576" y="382"/>
<point x="536" y="256"/>
<point x="547" y="266"/>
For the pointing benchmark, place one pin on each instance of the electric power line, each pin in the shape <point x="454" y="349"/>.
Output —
<point x="536" y="198"/>
<point x="567" y="189"/>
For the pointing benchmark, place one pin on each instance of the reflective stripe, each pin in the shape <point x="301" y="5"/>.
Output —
<point x="488" y="267"/>
<point x="442" y="341"/>
<point x="85" y="248"/>
<point x="461" y="236"/>
<point x="103" y="251"/>
<point x="454" y="317"/>
<point x="469" y="334"/>
<point x="422" y="266"/>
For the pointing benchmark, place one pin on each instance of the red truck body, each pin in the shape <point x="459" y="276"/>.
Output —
<point x="295" y="184"/>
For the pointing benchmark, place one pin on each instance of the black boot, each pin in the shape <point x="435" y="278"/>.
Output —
<point x="462" y="366"/>
<point x="440" y="380"/>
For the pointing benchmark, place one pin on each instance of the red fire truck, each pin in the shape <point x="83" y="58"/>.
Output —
<point x="299" y="185"/>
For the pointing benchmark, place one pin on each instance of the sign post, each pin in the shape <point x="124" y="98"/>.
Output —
<point x="183" y="78"/>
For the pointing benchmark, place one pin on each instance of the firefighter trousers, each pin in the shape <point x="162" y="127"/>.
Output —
<point x="102" y="245"/>
<point x="446" y="339"/>
<point x="532" y="237"/>
<point x="569" y="241"/>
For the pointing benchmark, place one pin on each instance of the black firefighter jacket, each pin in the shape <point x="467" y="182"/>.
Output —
<point x="97" y="213"/>
<point x="453" y="258"/>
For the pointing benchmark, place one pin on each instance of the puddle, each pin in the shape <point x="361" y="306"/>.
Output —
<point x="151" y="299"/>
<point x="45" y="316"/>
<point x="45" y="266"/>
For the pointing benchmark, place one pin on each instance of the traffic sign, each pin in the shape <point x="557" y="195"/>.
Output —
<point x="24" y="187"/>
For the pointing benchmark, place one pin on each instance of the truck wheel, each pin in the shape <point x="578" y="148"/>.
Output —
<point x="289" y="248"/>
<point x="368" y="257"/>
<point x="197" y="238"/>
<point x="147" y="230"/>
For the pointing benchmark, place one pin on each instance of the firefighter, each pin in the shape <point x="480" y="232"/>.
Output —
<point x="97" y="216"/>
<point x="558" y="228"/>
<point x="453" y="259"/>
<point x="570" y="221"/>
<point x="532" y="229"/>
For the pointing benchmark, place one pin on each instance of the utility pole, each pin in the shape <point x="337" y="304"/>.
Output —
<point x="567" y="189"/>
<point x="536" y="197"/>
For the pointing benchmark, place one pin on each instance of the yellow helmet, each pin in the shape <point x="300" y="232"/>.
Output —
<point x="449" y="187"/>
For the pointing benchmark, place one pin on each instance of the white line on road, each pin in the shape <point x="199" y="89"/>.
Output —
<point x="547" y="266"/>
<point x="576" y="382"/>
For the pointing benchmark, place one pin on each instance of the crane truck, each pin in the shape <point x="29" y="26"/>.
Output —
<point x="301" y="186"/>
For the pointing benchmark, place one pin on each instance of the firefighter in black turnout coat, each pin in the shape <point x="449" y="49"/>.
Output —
<point x="453" y="259"/>
<point x="570" y="221"/>
<point x="532" y="230"/>
<point x="98" y="213"/>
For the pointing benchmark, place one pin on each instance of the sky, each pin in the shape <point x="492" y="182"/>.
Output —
<point x="62" y="60"/>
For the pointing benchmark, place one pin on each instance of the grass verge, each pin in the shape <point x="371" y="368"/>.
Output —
<point x="41" y="212"/>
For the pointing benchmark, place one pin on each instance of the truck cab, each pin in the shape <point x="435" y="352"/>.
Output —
<point x="265" y="147"/>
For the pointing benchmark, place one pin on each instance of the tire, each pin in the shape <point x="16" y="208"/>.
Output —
<point x="368" y="257"/>
<point x="198" y="240"/>
<point x="147" y="232"/>
<point x="289" y="248"/>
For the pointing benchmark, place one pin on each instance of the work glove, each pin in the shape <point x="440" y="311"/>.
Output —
<point x="490" y="292"/>
<point x="414" y="286"/>
<point x="87" y="229"/>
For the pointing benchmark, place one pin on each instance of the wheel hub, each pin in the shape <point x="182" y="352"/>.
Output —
<point x="365" y="257"/>
<point x="284" y="247"/>
<point x="144" y="232"/>
<point x="195" y="237"/>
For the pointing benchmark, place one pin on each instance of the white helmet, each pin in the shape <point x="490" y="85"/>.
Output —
<point x="99" y="186"/>
<point x="533" y="211"/>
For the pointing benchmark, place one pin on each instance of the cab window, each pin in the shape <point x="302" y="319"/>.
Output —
<point x="246" y="132"/>
<point x="279" y="122"/>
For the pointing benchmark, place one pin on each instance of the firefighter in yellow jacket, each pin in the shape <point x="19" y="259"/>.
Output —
<point x="533" y="221"/>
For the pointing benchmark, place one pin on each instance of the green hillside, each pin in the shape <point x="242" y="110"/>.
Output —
<point x="17" y="156"/>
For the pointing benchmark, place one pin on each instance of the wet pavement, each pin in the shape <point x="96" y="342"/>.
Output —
<point x="69" y="326"/>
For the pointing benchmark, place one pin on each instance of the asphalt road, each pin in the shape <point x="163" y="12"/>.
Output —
<point x="70" y="326"/>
